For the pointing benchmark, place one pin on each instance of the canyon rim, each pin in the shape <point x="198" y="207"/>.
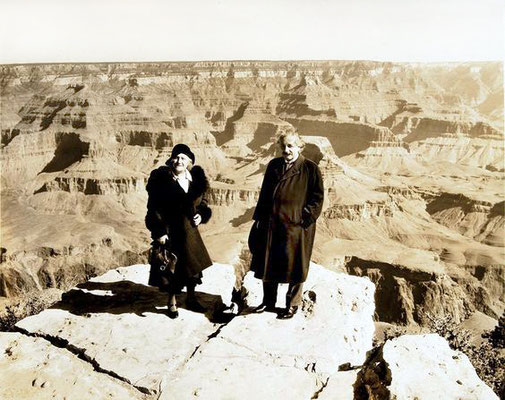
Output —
<point x="412" y="156"/>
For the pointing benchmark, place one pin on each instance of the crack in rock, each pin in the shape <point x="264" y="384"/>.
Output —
<point x="211" y="336"/>
<point x="281" y="360"/>
<point x="310" y="367"/>
<point x="81" y="354"/>
<point x="320" y="390"/>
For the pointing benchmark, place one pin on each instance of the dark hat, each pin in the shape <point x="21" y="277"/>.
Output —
<point x="184" y="149"/>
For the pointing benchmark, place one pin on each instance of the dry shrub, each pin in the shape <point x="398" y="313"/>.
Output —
<point x="30" y="304"/>
<point x="487" y="358"/>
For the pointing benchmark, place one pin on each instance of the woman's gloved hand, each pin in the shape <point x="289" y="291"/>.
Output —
<point x="197" y="219"/>
<point x="163" y="239"/>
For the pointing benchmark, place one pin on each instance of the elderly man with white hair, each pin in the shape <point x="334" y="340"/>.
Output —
<point x="282" y="237"/>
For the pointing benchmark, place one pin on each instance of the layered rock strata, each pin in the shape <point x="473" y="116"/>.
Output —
<point x="407" y="296"/>
<point x="481" y="220"/>
<point x="79" y="141"/>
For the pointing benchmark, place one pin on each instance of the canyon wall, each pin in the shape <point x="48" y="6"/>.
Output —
<point x="411" y="156"/>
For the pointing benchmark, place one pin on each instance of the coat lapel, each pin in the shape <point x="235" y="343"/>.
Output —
<point x="278" y="171"/>
<point x="295" y="168"/>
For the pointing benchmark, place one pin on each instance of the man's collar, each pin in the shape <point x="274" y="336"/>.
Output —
<point x="292" y="161"/>
<point x="295" y="165"/>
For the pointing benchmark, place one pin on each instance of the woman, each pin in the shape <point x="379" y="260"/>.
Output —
<point x="176" y="205"/>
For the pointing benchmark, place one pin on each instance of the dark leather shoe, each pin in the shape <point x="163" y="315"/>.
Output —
<point x="288" y="313"/>
<point x="264" y="307"/>
<point x="172" y="312"/>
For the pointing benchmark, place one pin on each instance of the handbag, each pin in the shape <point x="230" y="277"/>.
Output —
<point x="163" y="262"/>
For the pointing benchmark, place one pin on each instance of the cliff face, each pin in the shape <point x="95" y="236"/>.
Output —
<point x="411" y="157"/>
<point x="407" y="296"/>
<point x="228" y="197"/>
<point x="481" y="220"/>
<point x="360" y="212"/>
<point x="457" y="137"/>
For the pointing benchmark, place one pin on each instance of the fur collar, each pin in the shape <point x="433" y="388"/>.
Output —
<point x="199" y="185"/>
<point x="200" y="182"/>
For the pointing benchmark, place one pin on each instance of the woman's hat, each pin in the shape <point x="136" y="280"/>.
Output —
<point x="181" y="148"/>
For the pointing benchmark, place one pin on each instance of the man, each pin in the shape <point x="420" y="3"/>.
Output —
<point x="290" y="201"/>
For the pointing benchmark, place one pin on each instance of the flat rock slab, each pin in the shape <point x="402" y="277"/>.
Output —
<point x="223" y="370"/>
<point x="339" y="386"/>
<point x="425" y="367"/>
<point x="32" y="368"/>
<point x="334" y="327"/>
<point x="119" y="323"/>
<point x="122" y="326"/>
<point x="257" y="356"/>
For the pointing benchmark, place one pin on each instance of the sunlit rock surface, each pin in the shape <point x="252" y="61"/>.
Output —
<point x="33" y="368"/>
<point x="420" y="367"/>
<point x="111" y="338"/>
<point x="120" y="325"/>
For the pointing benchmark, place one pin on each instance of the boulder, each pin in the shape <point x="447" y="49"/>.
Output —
<point x="419" y="367"/>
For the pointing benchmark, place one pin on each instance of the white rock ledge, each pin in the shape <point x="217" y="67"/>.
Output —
<point x="425" y="367"/>
<point x="118" y="323"/>
<point x="421" y="367"/>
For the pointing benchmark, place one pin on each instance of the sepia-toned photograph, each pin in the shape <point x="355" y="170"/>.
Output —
<point x="225" y="200"/>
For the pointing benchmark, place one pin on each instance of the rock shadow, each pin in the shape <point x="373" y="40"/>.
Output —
<point x="244" y="218"/>
<point x="373" y="378"/>
<point x="8" y="135"/>
<point x="260" y="171"/>
<point x="227" y="134"/>
<point x="126" y="297"/>
<point x="498" y="210"/>
<point x="70" y="150"/>
<point x="313" y="152"/>
<point x="262" y="136"/>
<point x="345" y="137"/>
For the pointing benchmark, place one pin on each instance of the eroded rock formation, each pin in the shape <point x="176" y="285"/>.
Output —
<point x="411" y="156"/>
<point x="409" y="296"/>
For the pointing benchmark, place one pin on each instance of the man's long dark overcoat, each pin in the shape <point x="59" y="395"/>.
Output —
<point x="170" y="211"/>
<point x="287" y="209"/>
